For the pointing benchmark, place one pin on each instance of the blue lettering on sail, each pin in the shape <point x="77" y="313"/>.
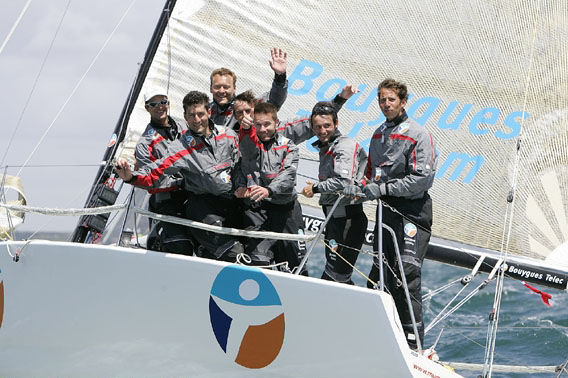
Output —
<point x="489" y="121"/>
<point x="461" y="161"/>
<point x="314" y="70"/>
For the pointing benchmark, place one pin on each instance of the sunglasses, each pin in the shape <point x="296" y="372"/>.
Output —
<point x="324" y="109"/>
<point x="154" y="104"/>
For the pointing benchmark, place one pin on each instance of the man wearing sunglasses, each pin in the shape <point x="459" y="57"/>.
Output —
<point x="154" y="144"/>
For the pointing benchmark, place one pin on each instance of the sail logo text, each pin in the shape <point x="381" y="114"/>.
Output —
<point x="246" y="316"/>
<point x="451" y="116"/>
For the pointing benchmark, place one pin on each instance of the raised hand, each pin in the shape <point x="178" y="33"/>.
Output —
<point x="279" y="60"/>
<point x="348" y="91"/>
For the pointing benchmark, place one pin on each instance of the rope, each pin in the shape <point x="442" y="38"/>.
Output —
<point x="63" y="212"/>
<point x="494" y="321"/>
<point x="225" y="230"/>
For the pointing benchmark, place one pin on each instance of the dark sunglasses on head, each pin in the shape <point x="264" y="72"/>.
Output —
<point x="154" y="104"/>
<point x="323" y="109"/>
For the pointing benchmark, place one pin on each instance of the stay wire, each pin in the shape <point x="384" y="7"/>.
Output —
<point x="9" y="36"/>
<point x="94" y="60"/>
<point x="32" y="91"/>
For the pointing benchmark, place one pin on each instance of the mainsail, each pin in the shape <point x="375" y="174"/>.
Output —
<point x="489" y="79"/>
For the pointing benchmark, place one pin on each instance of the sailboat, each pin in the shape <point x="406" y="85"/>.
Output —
<point x="488" y="80"/>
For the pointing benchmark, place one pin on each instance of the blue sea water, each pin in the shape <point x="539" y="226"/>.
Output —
<point x="529" y="332"/>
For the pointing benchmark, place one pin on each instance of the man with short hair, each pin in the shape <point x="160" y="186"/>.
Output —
<point x="401" y="168"/>
<point x="206" y="157"/>
<point x="223" y="85"/>
<point x="342" y="162"/>
<point x="267" y="183"/>
<point x="154" y="144"/>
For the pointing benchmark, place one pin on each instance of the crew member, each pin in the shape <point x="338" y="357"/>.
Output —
<point x="206" y="157"/>
<point x="224" y="84"/>
<point x="400" y="170"/>
<point x="267" y="182"/>
<point x="342" y="162"/>
<point x="154" y="144"/>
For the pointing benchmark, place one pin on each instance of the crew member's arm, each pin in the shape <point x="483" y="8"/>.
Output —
<point x="346" y="161"/>
<point x="279" y="90"/>
<point x="299" y="129"/>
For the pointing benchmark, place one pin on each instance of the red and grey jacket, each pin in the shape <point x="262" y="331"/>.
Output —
<point x="155" y="143"/>
<point x="272" y="164"/>
<point x="402" y="157"/>
<point x="223" y="114"/>
<point x="205" y="163"/>
<point x="342" y="162"/>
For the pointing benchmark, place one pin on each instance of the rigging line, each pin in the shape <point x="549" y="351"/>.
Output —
<point x="169" y="52"/>
<point x="78" y="84"/>
<point x="15" y="26"/>
<point x="50" y="165"/>
<point x="494" y="323"/>
<point x="32" y="91"/>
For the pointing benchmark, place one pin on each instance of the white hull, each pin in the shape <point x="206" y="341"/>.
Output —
<point x="83" y="310"/>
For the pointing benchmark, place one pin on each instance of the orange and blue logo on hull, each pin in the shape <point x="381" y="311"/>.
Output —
<point x="247" y="316"/>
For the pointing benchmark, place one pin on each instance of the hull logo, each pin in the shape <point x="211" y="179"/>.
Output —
<point x="246" y="316"/>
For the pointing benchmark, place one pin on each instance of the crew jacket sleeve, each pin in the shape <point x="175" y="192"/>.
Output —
<point x="285" y="180"/>
<point x="345" y="167"/>
<point x="298" y="129"/>
<point x="163" y="173"/>
<point x="421" y="165"/>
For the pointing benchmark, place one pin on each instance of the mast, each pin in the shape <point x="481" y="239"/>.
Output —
<point x="98" y="190"/>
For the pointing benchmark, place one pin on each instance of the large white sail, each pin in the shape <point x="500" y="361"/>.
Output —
<point x="484" y="76"/>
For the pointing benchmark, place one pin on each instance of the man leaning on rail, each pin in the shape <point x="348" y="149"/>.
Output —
<point x="400" y="170"/>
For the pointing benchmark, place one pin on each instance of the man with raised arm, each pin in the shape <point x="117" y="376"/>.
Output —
<point x="223" y="85"/>
<point x="400" y="170"/>
<point x="206" y="157"/>
<point x="154" y="144"/>
<point x="342" y="162"/>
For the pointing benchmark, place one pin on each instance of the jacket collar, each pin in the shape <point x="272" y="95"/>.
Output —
<point x="317" y="144"/>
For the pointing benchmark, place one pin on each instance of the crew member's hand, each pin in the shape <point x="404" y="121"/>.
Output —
<point x="372" y="191"/>
<point x="247" y="122"/>
<point x="308" y="190"/>
<point x="258" y="193"/>
<point x="122" y="168"/>
<point x="352" y="191"/>
<point x="241" y="192"/>
<point x="348" y="91"/>
<point x="278" y="61"/>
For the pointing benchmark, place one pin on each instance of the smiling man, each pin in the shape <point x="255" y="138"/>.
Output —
<point x="155" y="143"/>
<point x="401" y="169"/>
<point x="223" y="85"/>
<point x="342" y="163"/>
<point x="266" y="181"/>
<point x="205" y="156"/>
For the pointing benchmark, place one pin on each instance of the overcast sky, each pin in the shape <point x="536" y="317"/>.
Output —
<point x="80" y="134"/>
